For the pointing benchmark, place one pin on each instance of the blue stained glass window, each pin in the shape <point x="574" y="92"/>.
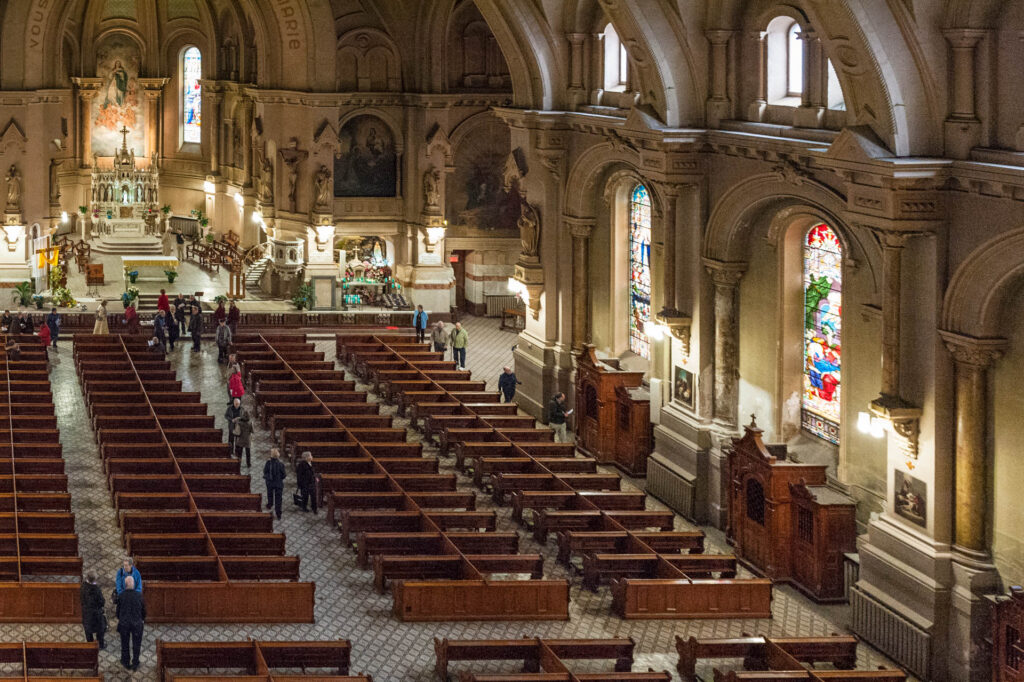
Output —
<point x="192" y="95"/>
<point x="823" y="308"/>
<point x="640" y="271"/>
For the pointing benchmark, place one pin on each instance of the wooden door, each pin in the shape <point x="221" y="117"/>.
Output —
<point x="755" y="543"/>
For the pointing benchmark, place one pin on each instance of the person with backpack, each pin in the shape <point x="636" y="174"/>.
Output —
<point x="223" y="338"/>
<point x="274" y="473"/>
<point x="242" y="430"/>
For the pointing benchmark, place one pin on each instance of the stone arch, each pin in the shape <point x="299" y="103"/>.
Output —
<point x="361" y="45"/>
<point x="586" y="172"/>
<point x="393" y="126"/>
<point x="467" y="127"/>
<point x="981" y="284"/>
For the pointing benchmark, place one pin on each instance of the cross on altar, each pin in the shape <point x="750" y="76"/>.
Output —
<point x="124" y="137"/>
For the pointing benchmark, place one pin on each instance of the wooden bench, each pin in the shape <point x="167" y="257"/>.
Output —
<point x="328" y="661"/>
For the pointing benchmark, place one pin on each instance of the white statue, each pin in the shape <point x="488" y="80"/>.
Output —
<point x="322" y="194"/>
<point x="529" y="230"/>
<point x="13" y="190"/>
<point x="432" y="189"/>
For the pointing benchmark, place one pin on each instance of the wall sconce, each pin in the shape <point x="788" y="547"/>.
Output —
<point x="63" y="216"/>
<point x="517" y="288"/>
<point x="257" y="217"/>
<point x="655" y="330"/>
<point x="209" y="187"/>
<point x="898" y="418"/>
<point x="323" y="236"/>
<point x="239" y="200"/>
<point x="435" y="233"/>
<point x="13" y="233"/>
<point x="876" y="426"/>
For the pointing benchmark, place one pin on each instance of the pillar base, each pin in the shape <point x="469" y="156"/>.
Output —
<point x="685" y="444"/>
<point x="544" y="370"/>
<point x="970" y="616"/>
<point x="808" y="117"/>
<point x="431" y="287"/>
<point x="961" y="136"/>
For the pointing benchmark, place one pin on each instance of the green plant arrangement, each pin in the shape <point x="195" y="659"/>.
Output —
<point x="62" y="297"/>
<point x="56" y="276"/>
<point x="23" y="293"/>
<point x="171" y="275"/>
<point x="304" y="297"/>
<point x="220" y="298"/>
<point x="83" y="209"/>
<point x="38" y="300"/>
<point x="129" y="295"/>
<point x="166" y="209"/>
<point x="132" y="275"/>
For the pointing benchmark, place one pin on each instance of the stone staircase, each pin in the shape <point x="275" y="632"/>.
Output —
<point x="255" y="274"/>
<point x="127" y="245"/>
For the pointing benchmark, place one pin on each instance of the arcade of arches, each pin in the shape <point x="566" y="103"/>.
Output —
<point x="806" y="211"/>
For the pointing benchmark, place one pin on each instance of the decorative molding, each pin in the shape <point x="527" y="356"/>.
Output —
<point x="978" y="353"/>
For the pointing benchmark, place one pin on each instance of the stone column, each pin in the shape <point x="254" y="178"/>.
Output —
<point x="576" y="41"/>
<point x="671" y="195"/>
<point x="962" y="127"/>
<point x="726" y="277"/>
<point x="214" y="98"/>
<point x="246" y="105"/>
<point x="757" y="107"/>
<point x="153" y="89"/>
<point x="228" y="145"/>
<point x="581" y="231"/>
<point x="892" y="255"/>
<point x="972" y="358"/>
<point x="718" y="102"/>
<point x="88" y="88"/>
<point x="811" y="112"/>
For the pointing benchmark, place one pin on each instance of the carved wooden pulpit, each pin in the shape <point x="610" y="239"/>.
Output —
<point x="783" y="521"/>
<point x="613" y="414"/>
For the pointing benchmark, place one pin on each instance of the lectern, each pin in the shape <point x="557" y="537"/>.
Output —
<point x="613" y="413"/>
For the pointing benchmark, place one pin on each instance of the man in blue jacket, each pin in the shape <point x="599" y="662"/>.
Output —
<point x="419" y="321"/>
<point x="128" y="569"/>
<point x="507" y="383"/>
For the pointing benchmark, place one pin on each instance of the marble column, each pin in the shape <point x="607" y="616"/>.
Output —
<point x="962" y="128"/>
<point x="972" y="358"/>
<point x="153" y="89"/>
<point x="214" y="99"/>
<point x="811" y="112"/>
<point x="718" y="102"/>
<point x="757" y="107"/>
<point x="892" y="255"/>
<point x="246" y="105"/>
<point x="576" y="41"/>
<point x="581" y="231"/>
<point x="726" y="277"/>
<point x="86" y="94"/>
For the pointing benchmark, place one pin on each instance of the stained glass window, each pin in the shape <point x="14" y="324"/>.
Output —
<point x="823" y="308"/>
<point x="192" y="95"/>
<point x="640" y="271"/>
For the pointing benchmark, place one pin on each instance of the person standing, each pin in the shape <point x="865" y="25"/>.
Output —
<point x="459" y="339"/>
<point x="507" y="383"/>
<point x="131" y="318"/>
<point x="223" y="341"/>
<point x="231" y="416"/>
<point x="53" y="322"/>
<point x="127" y="570"/>
<point x="419" y="321"/>
<point x="93" y="621"/>
<point x="236" y="387"/>
<point x="556" y="417"/>
<point x="180" y="312"/>
<point x="195" y="328"/>
<point x="305" y="476"/>
<point x="242" y="430"/>
<point x="160" y="327"/>
<point x="274" y="473"/>
<point x="234" y="317"/>
<point x="163" y="302"/>
<point x="100" y="325"/>
<point x="44" y="339"/>
<point x="220" y="313"/>
<point x="131" y="617"/>
<point x="171" y="325"/>
<point x="439" y="338"/>
<point x="179" y="239"/>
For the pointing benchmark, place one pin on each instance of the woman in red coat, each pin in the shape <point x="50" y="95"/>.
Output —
<point x="44" y="338"/>
<point x="236" y="389"/>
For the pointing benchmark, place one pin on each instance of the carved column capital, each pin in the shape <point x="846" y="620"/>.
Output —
<point x="725" y="273"/>
<point x="719" y="36"/>
<point x="580" y="228"/>
<point x="964" y="38"/>
<point x="973" y="352"/>
<point x="576" y="38"/>
<point x="88" y="88"/>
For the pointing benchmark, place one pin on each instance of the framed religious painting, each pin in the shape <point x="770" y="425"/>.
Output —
<point x="683" y="387"/>
<point x="911" y="498"/>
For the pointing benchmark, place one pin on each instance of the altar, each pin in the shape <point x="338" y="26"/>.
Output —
<point x="150" y="268"/>
<point x="124" y="192"/>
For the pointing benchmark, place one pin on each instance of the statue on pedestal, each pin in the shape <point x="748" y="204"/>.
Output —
<point x="54" y="184"/>
<point x="13" y="190"/>
<point x="529" y="231"/>
<point x="267" y="182"/>
<point x="322" y="194"/>
<point x="432" y="191"/>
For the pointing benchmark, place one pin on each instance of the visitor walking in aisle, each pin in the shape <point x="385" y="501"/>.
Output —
<point x="439" y="338"/>
<point x="242" y="431"/>
<point x="232" y="414"/>
<point x="181" y="312"/>
<point x="44" y="339"/>
<point x="100" y="326"/>
<point x="236" y="387"/>
<point x="419" y="321"/>
<point x="556" y="417"/>
<point x="131" y="616"/>
<point x="53" y="322"/>
<point x="131" y="319"/>
<point x="179" y="240"/>
<point x="274" y="473"/>
<point x="459" y="339"/>
<point x="195" y="328"/>
<point x="163" y="302"/>
<point x="305" y="476"/>
<point x="171" y="325"/>
<point x="160" y="327"/>
<point x="224" y="338"/>
<point x="507" y="383"/>
<point x="94" y="622"/>
<point x="234" y="317"/>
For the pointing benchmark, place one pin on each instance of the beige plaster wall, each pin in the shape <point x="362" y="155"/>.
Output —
<point x="1007" y="404"/>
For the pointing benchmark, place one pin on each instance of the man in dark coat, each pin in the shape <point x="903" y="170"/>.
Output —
<point x="507" y="383"/>
<point x="180" y="312"/>
<point x="305" y="476"/>
<point x="231" y="416"/>
<point x="53" y="322"/>
<point x="274" y="474"/>
<point x="92" y="610"/>
<point x="131" y="616"/>
<point x="195" y="328"/>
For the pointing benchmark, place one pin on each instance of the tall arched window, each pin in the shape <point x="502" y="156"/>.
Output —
<point x="192" y="95"/>
<point x="616" y="61"/>
<point x="823" y="307"/>
<point x="640" y="271"/>
<point x="794" y="61"/>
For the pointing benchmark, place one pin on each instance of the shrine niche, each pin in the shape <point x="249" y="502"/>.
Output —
<point x="784" y="522"/>
<point x="367" y="165"/>
<point x="118" y="103"/>
<point x="124" y="191"/>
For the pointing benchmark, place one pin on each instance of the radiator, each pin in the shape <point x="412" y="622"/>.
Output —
<point x="891" y="633"/>
<point x="851" y="573"/>
<point x="496" y="304"/>
<point x="671" y="485"/>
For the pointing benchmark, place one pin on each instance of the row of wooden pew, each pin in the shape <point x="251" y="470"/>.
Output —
<point x="205" y="547"/>
<point x="255" y="661"/>
<point x="38" y="661"/>
<point x="39" y="555"/>
<point x="438" y="553"/>
<point x="654" y="571"/>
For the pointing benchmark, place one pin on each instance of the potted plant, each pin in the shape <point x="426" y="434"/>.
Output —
<point x="166" y="209"/>
<point x="209" y="239"/>
<point x="304" y="297"/>
<point x="38" y="300"/>
<point x="129" y="295"/>
<point x="62" y="297"/>
<point x="83" y="210"/>
<point x="132" y="275"/>
<point x="220" y="298"/>
<point x="23" y="293"/>
<point x="171" y="274"/>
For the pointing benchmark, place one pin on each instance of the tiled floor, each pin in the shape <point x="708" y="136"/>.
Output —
<point x="346" y="605"/>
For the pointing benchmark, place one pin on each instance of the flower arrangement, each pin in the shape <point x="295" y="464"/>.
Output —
<point x="166" y="209"/>
<point x="209" y="239"/>
<point x="38" y="300"/>
<point x="83" y="209"/>
<point x="96" y="214"/>
<point x="132" y="275"/>
<point x="130" y="294"/>
<point x="62" y="297"/>
<point x="171" y="274"/>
